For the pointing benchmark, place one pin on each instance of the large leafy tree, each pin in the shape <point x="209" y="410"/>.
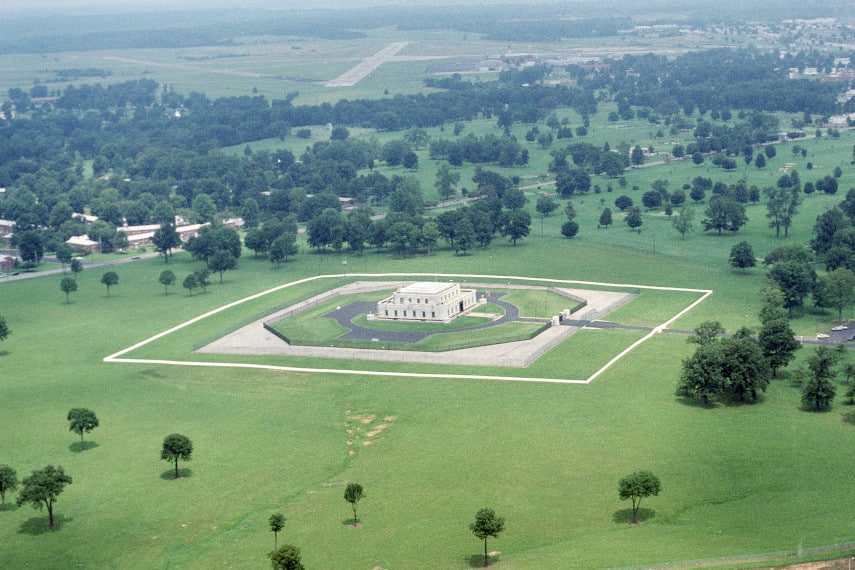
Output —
<point x="703" y="375"/>
<point x="637" y="486"/>
<point x="487" y="524"/>
<point x="8" y="482"/>
<point x="175" y="447"/>
<point x="778" y="342"/>
<point x="42" y="488"/>
<point x="732" y="367"/>
<point x="221" y="262"/>
<point x="516" y="224"/>
<point x="165" y="239"/>
<point x="724" y="213"/>
<point x="839" y="288"/>
<point x="795" y="280"/>
<point x="353" y="494"/>
<point x="81" y="420"/>
<point x="818" y="391"/>
<point x="742" y="256"/>
<point x="286" y="558"/>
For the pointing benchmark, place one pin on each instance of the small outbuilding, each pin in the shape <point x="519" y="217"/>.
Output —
<point x="427" y="301"/>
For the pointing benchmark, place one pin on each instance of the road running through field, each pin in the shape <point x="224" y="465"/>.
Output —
<point x="366" y="66"/>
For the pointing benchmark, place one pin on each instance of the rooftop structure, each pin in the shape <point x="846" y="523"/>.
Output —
<point x="427" y="301"/>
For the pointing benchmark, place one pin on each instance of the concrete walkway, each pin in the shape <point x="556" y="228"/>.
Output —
<point x="254" y="339"/>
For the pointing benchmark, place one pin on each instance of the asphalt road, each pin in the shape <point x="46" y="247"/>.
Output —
<point x="6" y="277"/>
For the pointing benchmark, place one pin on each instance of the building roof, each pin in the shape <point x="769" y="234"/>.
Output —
<point x="82" y="241"/>
<point x="425" y="288"/>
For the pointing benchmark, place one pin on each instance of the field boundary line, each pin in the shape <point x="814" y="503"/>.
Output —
<point x="117" y="357"/>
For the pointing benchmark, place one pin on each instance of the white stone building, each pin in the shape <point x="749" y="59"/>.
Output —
<point x="427" y="301"/>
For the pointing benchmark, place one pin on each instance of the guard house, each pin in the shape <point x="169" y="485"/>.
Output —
<point x="427" y="301"/>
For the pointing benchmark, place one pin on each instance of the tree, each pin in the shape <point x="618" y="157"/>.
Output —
<point x="81" y="420"/>
<point x="410" y="160"/>
<point x="166" y="279"/>
<point x="446" y="179"/>
<point x="795" y="280"/>
<point x="569" y="229"/>
<point x="42" y="488"/>
<point x="487" y="524"/>
<point x="68" y="285"/>
<point x="76" y="266"/>
<point x="516" y="224"/>
<point x="702" y="375"/>
<point x="202" y="279"/>
<point x="165" y="239"/>
<point x="8" y="482"/>
<point x="353" y="494"/>
<point x="4" y="328"/>
<point x="778" y="342"/>
<point x="175" y="447"/>
<point x="839" y="286"/>
<point x="684" y="221"/>
<point x="109" y="279"/>
<point x="605" y="218"/>
<point x="742" y="256"/>
<point x="760" y="161"/>
<point x="707" y="332"/>
<point x="724" y="213"/>
<point x="190" y="283"/>
<point x="633" y="218"/>
<point x="651" y="199"/>
<point x="546" y="205"/>
<point x="637" y="156"/>
<point x="277" y="523"/>
<point x="250" y="213"/>
<point x="623" y="202"/>
<point x="283" y="247"/>
<point x="637" y="486"/>
<point x="30" y="246"/>
<point x="221" y="262"/>
<point x="205" y="208"/>
<point x="63" y="253"/>
<point x="818" y="391"/>
<point x="286" y="558"/>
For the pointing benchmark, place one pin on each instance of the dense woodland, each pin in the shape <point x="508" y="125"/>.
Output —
<point x="153" y="151"/>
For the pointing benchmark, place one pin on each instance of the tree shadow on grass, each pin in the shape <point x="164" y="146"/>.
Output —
<point x="9" y="507"/>
<point x="169" y="474"/>
<point x="624" y="516"/>
<point x="40" y="525"/>
<point x="78" y="447"/>
<point x="694" y="402"/>
<point x="4" y="353"/>
<point x="849" y="417"/>
<point x="351" y="523"/>
<point x="477" y="560"/>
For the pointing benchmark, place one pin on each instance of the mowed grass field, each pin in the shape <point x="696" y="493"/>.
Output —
<point x="736" y="479"/>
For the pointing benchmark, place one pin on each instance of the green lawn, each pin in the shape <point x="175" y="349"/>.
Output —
<point x="737" y="480"/>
